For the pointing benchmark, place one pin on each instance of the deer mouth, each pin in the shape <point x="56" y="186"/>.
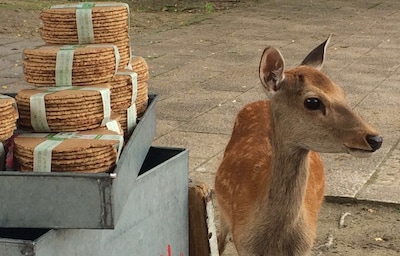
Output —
<point x="358" y="152"/>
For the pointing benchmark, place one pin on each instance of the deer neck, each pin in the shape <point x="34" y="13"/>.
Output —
<point x="288" y="181"/>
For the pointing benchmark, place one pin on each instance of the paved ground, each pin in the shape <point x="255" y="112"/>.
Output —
<point x="205" y="72"/>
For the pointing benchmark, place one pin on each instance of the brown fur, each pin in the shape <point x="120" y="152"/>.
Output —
<point x="270" y="184"/>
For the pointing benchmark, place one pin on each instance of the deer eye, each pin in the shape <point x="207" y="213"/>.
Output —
<point x="313" y="103"/>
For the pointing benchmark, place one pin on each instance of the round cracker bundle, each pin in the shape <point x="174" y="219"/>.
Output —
<point x="64" y="108"/>
<point x="125" y="56"/>
<point x="128" y="119"/>
<point x="123" y="87"/>
<point x="88" y="23"/>
<point x="139" y="65"/>
<point x="123" y="98"/>
<point x="8" y="117"/>
<point x="91" y="151"/>
<point x="70" y="65"/>
<point x="114" y="123"/>
<point x="142" y="98"/>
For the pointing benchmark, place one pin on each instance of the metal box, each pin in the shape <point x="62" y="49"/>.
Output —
<point x="73" y="200"/>
<point x="154" y="221"/>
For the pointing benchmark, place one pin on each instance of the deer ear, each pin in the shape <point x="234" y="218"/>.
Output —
<point x="272" y="66"/>
<point x="316" y="57"/>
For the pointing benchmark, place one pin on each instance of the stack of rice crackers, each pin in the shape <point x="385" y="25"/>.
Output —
<point x="88" y="92"/>
<point x="8" y="119"/>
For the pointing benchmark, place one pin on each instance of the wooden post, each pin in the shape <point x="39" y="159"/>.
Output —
<point x="202" y="230"/>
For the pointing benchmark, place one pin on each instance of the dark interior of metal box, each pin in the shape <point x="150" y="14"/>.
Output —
<point x="22" y="233"/>
<point x="156" y="156"/>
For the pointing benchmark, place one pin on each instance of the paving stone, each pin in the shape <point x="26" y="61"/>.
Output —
<point x="384" y="186"/>
<point x="165" y="63"/>
<point x="346" y="175"/>
<point x="6" y="64"/>
<point x="206" y="170"/>
<point x="202" y="177"/>
<point x="196" y="162"/>
<point x="185" y="106"/>
<point x="192" y="72"/>
<point x="200" y="145"/>
<point x="237" y="79"/>
<point x="165" y="126"/>
<point x="167" y="87"/>
<point x="210" y="123"/>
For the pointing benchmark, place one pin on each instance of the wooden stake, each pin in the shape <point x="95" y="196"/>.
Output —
<point x="202" y="230"/>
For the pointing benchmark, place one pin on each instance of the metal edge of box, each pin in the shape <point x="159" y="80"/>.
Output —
<point x="16" y="247"/>
<point x="125" y="235"/>
<point x="56" y="201"/>
<point x="103" y="183"/>
<point x="172" y="174"/>
<point x="133" y="157"/>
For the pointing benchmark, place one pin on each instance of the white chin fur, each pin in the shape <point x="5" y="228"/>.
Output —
<point x="359" y="152"/>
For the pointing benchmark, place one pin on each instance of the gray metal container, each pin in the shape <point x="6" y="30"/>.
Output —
<point x="154" y="219"/>
<point x="74" y="200"/>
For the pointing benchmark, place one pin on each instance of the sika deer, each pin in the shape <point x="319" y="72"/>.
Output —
<point x="270" y="184"/>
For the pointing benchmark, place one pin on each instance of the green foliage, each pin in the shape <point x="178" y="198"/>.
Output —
<point x="209" y="7"/>
<point x="27" y="4"/>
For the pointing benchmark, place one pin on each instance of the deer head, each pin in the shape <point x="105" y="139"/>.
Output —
<point x="310" y="111"/>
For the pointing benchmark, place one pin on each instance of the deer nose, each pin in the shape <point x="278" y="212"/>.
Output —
<point x="374" y="141"/>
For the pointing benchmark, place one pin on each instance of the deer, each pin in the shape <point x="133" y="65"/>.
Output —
<point x="270" y="184"/>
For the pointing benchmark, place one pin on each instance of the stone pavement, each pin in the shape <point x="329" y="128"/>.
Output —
<point x="206" y="71"/>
